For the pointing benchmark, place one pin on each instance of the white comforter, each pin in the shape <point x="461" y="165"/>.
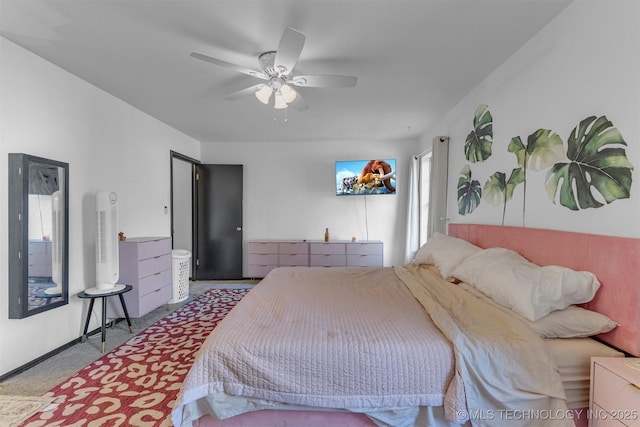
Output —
<point x="358" y="338"/>
<point x="329" y="338"/>
<point x="509" y="375"/>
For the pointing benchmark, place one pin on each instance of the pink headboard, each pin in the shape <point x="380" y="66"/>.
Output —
<point x="614" y="260"/>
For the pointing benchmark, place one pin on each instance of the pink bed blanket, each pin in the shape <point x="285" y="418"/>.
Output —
<point x="325" y="338"/>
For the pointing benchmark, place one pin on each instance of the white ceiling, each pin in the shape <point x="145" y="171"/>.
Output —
<point x="414" y="59"/>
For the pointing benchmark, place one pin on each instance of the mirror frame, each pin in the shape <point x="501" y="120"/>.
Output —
<point x="19" y="171"/>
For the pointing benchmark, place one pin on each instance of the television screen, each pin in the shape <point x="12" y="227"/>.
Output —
<point x="356" y="177"/>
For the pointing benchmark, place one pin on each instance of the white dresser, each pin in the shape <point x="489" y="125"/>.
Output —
<point x="614" y="399"/>
<point x="265" y="255"/>
<point x="145" y="264"/>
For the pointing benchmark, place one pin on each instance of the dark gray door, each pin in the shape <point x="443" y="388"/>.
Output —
<point x="218" y="222"/>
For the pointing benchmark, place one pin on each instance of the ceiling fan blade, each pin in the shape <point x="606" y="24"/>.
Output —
<point x="226" y="64"/>
<point x="244" y="92"/>
<point x="324" y="80"/>
<point x="289" y="49"/>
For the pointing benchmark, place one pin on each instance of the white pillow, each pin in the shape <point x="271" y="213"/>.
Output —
<point x="445" y="252"/>
<point x="572" y="322"/>
<point x="526" y="288"/>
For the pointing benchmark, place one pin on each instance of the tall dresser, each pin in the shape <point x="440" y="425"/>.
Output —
<point x="145" y="264"/>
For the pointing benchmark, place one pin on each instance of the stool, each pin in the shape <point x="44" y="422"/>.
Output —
<point x="94" y="293"/>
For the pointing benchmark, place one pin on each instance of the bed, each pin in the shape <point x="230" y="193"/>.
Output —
<point x="395" y="345"/>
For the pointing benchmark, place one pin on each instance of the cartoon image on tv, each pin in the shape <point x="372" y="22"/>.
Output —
<point x="365" y="177"/>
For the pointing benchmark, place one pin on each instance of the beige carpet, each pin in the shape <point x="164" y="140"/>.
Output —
<point x="16" y="409"/>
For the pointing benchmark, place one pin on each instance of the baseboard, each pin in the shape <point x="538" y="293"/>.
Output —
<point x="52" y="353"/>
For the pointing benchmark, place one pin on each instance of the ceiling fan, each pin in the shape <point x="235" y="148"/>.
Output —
<point x="276" y="67"/>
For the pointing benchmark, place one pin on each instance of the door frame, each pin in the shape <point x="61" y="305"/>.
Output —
<point x="194" y="226"/>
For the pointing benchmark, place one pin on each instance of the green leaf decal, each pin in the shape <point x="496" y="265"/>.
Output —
<point x="477" y="147"/>
<point x="494" y="189"/>
<point x="543" y="149"/>
<point x="498" y="190"/>
<point x="598" y="171"/>
<point x="469" y="192"/>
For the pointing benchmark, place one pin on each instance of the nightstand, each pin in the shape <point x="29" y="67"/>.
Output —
<point x="614" y="398"/>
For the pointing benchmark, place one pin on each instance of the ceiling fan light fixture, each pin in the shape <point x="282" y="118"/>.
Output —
<point x="279" y="103"/>
<point x="264" y="94"/>
<point x="288" y="93"/>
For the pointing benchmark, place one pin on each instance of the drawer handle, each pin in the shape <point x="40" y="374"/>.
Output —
<point x="635" y="387"/>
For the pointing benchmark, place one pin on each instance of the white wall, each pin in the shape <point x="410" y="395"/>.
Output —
<point x="289" y="191"/>
<point x="586" y="62"/>
<point x="47" y="112"/>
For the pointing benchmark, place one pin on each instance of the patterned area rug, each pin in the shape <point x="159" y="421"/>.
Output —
<point x="137" y="383"/>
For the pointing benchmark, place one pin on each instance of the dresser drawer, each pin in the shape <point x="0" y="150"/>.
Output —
<point x="364" y="248"/>
<point x="153" y="248"/>
<point x="154" y="265"/>
<point x="40" y="258"/>
<point x="36" y="247"/>
<point x="40" y="270"/>
<point x="263" y="259"/>
<point x="293" y="260"/>
<point x="293" y="248"/>
<point x="263" y="247"/>
<point x="600" y="418"/>
<point x="151" y="283"/>
<point x="154" y="299"/>
<point x="364" y="260"/>
<point x="328" y="260"/>
<point x="327" y="249"/>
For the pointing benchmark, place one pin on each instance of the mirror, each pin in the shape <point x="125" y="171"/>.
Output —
<point x="38" y="235"/>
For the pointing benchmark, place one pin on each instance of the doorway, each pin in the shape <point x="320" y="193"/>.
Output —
<point x="182" y="202"/>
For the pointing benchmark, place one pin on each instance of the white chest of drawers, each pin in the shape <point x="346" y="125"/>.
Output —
<point x="265" y="255"/>
<point x="614" y="399"/>
<point x="145" y="264"/>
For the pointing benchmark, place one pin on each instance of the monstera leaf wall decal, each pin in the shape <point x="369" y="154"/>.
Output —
<point x="477" y="147"/>
<point x="469" y="192"/>
<point x="543" y="148"/>
<point x="598" y="171"/>
<point x="498" y="190"/>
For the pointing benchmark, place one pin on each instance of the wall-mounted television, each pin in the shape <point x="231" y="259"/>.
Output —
<point x="361" y="177"/>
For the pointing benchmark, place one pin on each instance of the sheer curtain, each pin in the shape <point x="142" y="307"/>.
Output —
<point x="412" y="241"/>
<point x="437" y="213"/>
<point x="427" y="199"/>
